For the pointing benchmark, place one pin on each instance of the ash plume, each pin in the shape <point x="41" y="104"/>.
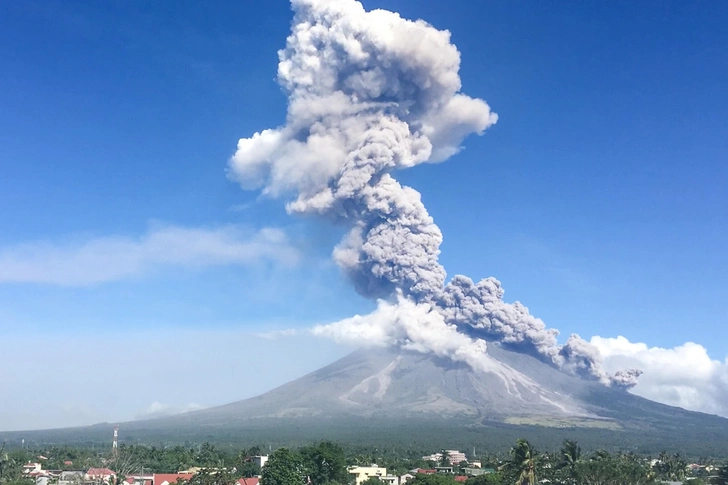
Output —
<point x="370" y="93"/>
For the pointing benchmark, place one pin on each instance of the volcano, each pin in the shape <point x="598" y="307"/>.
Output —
<point x="400" y="398"/>
<point x="396" y="386"/>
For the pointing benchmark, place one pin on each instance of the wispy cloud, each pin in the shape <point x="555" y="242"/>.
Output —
<point x="276" y="334"/>
<point x="110" y="258"/>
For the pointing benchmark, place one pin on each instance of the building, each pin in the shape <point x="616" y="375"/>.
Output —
<point x="139" y="479"/>
<point x="260" y="461"/>
<point x="405" y="478"/>
<point x="364" y="473"/>
<point x="31" y="468"/>
<point x="99" y="475"/>
<point x="169" y="478"/>
<point x="424" y="471"/>
<point x="453" y="457"/>
<point x="70" y="478"/>
<point x="476" y="471"/>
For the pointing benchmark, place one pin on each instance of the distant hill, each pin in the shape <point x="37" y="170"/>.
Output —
<point x="405" y="399"/>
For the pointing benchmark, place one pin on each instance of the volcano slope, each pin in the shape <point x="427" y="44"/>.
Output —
<point x="392" y="384"/>
<point x="399" y="398"/>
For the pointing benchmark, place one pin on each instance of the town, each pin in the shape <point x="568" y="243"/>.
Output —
<point x="328" y="463"/>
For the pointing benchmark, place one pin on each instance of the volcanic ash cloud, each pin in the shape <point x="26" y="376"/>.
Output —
<point x="370" y="93"/>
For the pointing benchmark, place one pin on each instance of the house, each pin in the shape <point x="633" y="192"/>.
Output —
<point x="260" y="461"/>
<point x="32" y="467"/>
<point x="169" y="478"/>
<point x="139" y="479"/>
<point x="364" y="473"/>
<point x="405" y="478"/>
<point x="461" y="478"/>
<point x="99" y="475"/>
<point x="68" y="463"/>
<point x="444" y="469"/>
<point x="424" y="471"/>
<point x="70" y="478"/>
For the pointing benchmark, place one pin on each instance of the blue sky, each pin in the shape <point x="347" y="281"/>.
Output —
<point x="598" y="199"/>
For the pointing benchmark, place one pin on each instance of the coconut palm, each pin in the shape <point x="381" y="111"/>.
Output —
<point x="569" y="457"/>
<point x="5" y="462"/>
<point x="523" y="462"/>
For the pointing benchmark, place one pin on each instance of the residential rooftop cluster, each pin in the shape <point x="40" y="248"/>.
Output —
<point x="106" y="476"/>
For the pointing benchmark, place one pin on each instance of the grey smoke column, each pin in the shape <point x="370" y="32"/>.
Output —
<point x="370" y="93"/>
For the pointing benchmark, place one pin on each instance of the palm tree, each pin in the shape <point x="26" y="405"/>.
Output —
<point x="677" y="467"/>
<point x="5" y="462"/>
<point x="523" y="462"/>
<point x="570" y="456"/>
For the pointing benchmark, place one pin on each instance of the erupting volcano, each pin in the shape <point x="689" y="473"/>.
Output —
<point x="370" y="93"/>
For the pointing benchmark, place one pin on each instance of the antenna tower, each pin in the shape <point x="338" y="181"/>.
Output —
<point x="115" y="444"/>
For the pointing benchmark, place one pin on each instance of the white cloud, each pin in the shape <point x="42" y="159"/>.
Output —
<point x="684" y="376"/>
<point x="111" y="258"/>
<point x="158" y="409"/>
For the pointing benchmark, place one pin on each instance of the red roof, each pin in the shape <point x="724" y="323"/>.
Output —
<point x="461" y="478"/>
<point x="249" y="481"/>
<point x="136" y="479"/>
<point x="160" y="478"/>
<point x="426" y="471"/>
<point x="68" y="462"/>
<point x="100" y="472"/>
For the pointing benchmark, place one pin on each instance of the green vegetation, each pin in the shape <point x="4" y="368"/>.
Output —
<point x="326" y="462"/>
<point x="693" y="440"/>
<point x="523" y="463"/>
<point x="284" y="468"/>
<point x="11" y="466"/>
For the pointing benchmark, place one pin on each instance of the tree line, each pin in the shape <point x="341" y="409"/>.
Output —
<point x="326" y="463"/>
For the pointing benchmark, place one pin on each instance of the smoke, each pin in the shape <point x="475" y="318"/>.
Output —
<point x="411" y="326"/>
<point x="370" y="93"/>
